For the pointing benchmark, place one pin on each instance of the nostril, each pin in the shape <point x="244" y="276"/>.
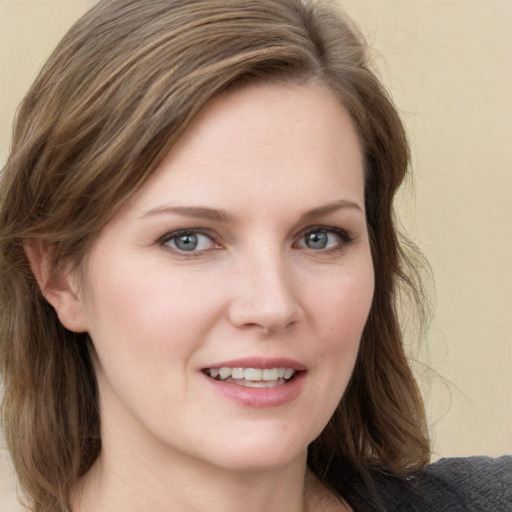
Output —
<point x="268" y="303"/>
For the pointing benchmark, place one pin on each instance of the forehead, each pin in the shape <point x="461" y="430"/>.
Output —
<point x="258" y="141"/>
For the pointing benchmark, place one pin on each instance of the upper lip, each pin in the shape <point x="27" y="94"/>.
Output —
<point x="259" y="362"/>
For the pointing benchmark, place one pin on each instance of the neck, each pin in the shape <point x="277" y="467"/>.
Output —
<point x="118" y="485"/>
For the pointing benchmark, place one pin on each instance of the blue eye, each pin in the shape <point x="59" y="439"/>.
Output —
<point x="324" y="239"/>
<point x="188" y="241"/>
<point x="316" y="240"/>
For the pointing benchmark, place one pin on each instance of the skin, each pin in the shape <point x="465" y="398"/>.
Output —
<point x="279" y="161"/>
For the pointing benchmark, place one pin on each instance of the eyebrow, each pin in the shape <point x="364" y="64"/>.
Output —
<point x="216" y="215"/>
<point x="195" y="212"/>
<point x="330" y="208"/>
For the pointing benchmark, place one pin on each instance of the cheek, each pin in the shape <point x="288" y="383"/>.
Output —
<point x="144" y="330"/>
<point x="148" y="316"/>
<point x="340" y="312"/>
<point x="342" y="307"/>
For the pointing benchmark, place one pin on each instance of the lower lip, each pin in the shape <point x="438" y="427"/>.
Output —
<point x="260" y="397"/>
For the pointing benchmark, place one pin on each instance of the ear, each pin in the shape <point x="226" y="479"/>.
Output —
<point x="59" y="286"/>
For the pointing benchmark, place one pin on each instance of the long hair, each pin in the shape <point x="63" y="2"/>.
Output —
<point x="117" y="93"/>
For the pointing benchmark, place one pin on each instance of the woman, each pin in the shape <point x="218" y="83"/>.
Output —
<point x="200" y="271"/>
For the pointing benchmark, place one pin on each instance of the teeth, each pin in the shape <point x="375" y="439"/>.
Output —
<point x="252" y="374"/>
<point x="237" y="373"/>
<point x="253" y="377"/>
<point x="225" y="373"/>
<point x="270" y="374"/>
<point x="288" y="373"/>
<point x="258" y="384"/>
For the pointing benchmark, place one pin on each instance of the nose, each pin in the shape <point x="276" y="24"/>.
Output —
<point x="265" y="295"/>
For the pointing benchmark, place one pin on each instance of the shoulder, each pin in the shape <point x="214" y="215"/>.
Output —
<point x="473" y="473"/>
<point x="473" y="484"/>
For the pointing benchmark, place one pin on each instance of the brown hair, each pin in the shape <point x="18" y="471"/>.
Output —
<point x="114" y="97"/>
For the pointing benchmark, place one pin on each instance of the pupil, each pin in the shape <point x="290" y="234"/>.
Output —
<point x="317" y="240"/>
<point x="186" y="242"/>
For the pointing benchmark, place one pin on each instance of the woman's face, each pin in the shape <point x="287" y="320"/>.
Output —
<point x="226" y="300"/>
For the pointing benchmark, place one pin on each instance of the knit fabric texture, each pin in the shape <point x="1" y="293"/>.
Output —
<point x="473" y="484"/>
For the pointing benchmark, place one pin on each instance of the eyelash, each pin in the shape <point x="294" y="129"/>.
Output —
<point x="173" y="235"/>
<point x="346" y="240"/>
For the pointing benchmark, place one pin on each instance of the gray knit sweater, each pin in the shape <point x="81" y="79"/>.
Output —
<point x="474" y="484"/>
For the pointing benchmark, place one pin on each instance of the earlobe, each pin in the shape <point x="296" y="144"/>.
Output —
<point x="59" y="286"/>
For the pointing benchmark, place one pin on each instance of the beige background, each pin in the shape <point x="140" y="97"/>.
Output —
<point x="449" y="66"/>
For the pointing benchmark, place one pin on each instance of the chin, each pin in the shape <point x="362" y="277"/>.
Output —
<point x="250" y="462"/>
<point x="260" y="451"/>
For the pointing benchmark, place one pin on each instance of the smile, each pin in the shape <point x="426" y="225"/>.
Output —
<point x="252" y="377"/>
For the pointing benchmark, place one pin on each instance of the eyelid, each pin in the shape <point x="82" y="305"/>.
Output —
<point x="346" y="239"/>
<point x="164" y="239"/>
<point x="342" y="233"/>
<point x="322" y="227"/>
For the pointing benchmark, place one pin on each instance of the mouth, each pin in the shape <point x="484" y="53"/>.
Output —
<point x="253" y="377"/>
